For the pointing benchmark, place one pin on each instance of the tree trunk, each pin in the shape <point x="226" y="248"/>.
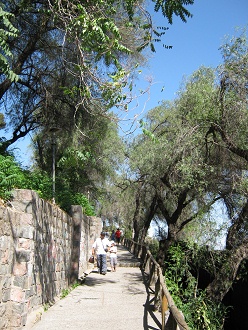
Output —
<point x="136" y="217"/>
<point x="149" y="217"/>
<point x="165" y="244"/>
<point x="225" y="277"/>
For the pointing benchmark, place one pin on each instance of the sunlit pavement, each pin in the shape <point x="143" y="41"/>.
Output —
<point x="118" y="300"/>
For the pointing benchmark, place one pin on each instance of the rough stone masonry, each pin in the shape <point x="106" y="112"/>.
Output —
<point x="42" y="251"/>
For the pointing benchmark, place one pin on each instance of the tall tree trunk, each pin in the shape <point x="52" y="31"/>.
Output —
<point x="225" y="277"/>
<point x="149" y="217"/>
<point x="136" y="217"/>
<point x="166" y="243"/>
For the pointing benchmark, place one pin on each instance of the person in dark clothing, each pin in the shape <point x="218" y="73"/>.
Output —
<point x="112" y="237"/>
<point x="118" y="236"/>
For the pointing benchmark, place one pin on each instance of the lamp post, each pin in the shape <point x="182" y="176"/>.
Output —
<point x="53" y="130"/>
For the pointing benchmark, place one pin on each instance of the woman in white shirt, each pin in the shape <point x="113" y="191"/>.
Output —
<point x="100" y="249"/>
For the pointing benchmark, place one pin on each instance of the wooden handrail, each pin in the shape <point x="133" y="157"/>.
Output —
<point x="175" y="319"/>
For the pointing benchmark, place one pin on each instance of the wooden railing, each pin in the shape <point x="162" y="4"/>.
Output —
<point x="172" y="318"/>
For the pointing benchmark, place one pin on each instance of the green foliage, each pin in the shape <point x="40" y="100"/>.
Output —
<point x="64" y="293"/>
<point x="66" y="198"/>
<point x="203" y="314"/>
<point x="233" y="91"/>
<point x="73" y="157"/>
<point x="46" y="307"/>
<point x="200" y="312"/>
<point x="75" y="285"/>
<point x="147" y="132"/>
<point x="243" y="270"/>
<point x="7" y="30"/>
<point x="11" y="176"/>
<point x="2" y="122"/>
<point x="170" y="7"/>
<point x="97" y="49"/>
<point x="38" y="181"/>
<point x="190" y="167"/>
<point x="153" y="245"/>
<point x="128" y="233"/>
<point x="80" y="199"/>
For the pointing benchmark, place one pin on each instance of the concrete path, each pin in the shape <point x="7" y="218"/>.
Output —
<point x="118" y="300"/>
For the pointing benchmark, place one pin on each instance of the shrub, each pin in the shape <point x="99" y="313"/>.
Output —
<point x="11" y="176"/>
<point x="153" y="245"/>
<point x="66" y="198"/>
<point x="40" y="182"/>
<point x="200" y="312"/>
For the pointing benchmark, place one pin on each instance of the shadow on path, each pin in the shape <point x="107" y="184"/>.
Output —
<point x="149" y="307"/>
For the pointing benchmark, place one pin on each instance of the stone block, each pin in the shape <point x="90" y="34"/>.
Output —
<point x="18" y="308"/>
<point x="5" y="295"/>
<point x="17" y="294"/>
<point x="28" y="294"/>
<point x="27" y="232"/>
<point x="19" y="281"/>
<point x="20" y="269"/>
<point x="26" y="219"/>
<point x="2" y="212"/>
<point x="4" y="242"/>
<point x="5" y="281"/>
<point x="2" y="310"/>
<point x="24" y="319"/>
<point x="38" y="289"/>
<point x="15" y="322"/>
<point x="36" y="301"/>
<point x="24" y="194"/>
<point x="5" y="269"/>
<point x="4" y="256"/>
<point x="30" y="268"/>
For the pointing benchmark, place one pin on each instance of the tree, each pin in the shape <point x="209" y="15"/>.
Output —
<point x="71" y="55"/>
<point x="230" y="132"/>
<point x="194" y="153"/>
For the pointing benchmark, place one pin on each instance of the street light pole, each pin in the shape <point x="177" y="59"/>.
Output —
<point x="53" y="167"/>
<point x="53" y="130"/>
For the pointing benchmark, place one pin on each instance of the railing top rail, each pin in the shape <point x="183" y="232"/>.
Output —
<point x="173" y="308"/>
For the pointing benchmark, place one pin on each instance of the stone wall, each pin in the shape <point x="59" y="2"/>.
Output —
<point x="42" y="251"/>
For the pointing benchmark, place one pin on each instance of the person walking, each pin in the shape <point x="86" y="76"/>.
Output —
<point x="112" y="235"/>
<point x="118" y="236"/>
<point x="113" y="256"/>
<point x="100" y="249"/>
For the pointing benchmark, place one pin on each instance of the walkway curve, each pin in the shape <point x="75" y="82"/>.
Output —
<point x="118" y="300"/>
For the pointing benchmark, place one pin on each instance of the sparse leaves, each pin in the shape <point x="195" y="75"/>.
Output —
<point x="172" y="7"/>
<point x="7" y="30"/>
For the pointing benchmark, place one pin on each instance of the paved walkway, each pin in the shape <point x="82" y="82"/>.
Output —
<point x="118" y="300"/>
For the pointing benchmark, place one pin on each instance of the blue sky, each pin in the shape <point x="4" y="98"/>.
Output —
<point x="195" y="43"/>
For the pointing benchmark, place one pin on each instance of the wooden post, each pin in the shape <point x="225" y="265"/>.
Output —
<point x="164" y="308"/>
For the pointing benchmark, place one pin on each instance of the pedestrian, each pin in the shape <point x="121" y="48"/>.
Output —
<point x="112" y="235"/>
<point x="118" y="235"/>
<point x="113" y="256"/>
<point x="100" y="249"/>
